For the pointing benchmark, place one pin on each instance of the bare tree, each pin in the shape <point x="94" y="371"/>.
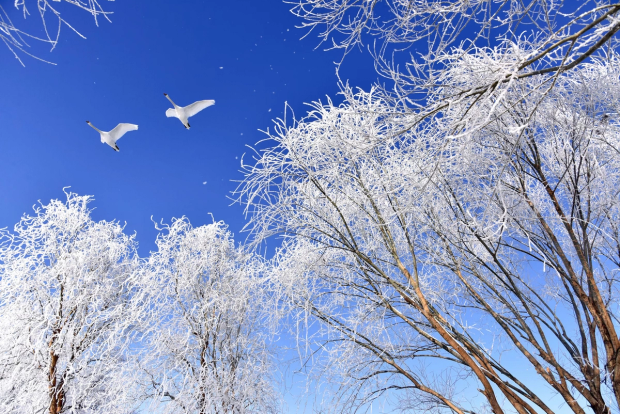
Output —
<point x="205" y="348"/>
<point x="65" y="288"/>
<point x="436" y="263"/>
<point x="51" y="23"/>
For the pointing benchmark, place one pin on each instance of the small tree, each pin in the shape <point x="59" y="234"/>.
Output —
<point x="205" y="344"/>
<point x="64" y="291"/>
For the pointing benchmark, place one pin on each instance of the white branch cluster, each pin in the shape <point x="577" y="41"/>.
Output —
<point x="51" y="23"/>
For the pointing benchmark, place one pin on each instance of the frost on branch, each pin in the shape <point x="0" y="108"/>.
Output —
<point x="205" y="347"/>
<point x="413" y="41"/>
<point x="51" y="22"/>
<point x="65" y="284"/>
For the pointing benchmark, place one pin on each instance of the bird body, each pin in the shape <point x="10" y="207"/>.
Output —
<point x="184" y="112"/>
<point x="114" y="135"/>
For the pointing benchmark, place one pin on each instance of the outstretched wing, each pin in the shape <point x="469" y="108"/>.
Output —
<point x="193" y="109"/>
<point x="121" y="129"/>
<point x="171" y="113"/>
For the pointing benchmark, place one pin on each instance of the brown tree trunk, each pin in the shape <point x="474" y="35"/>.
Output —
<point x="57" y="396"/>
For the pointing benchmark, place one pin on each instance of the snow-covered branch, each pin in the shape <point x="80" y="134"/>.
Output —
<point x="51" y="23"/>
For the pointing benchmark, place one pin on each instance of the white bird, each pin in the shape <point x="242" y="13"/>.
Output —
<point x="111" y="137"/>
<point x="184" y="112"/>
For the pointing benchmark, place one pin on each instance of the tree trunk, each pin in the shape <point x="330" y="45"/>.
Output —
<point x="57" y="396"/>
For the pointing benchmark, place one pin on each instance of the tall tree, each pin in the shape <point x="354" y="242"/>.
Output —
<point x="457" y="269"/>
<point x="65" y="287"/>
<point x="205" y="348"/>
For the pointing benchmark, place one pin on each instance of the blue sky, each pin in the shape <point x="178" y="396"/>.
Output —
<point x="246" y="55"/>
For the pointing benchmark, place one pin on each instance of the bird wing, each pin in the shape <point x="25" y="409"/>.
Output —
<point x="171" y="113"/>
<point x="193" y="109"/>
<point x="121" y="129"/>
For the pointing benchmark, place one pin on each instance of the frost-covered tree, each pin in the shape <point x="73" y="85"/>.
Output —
<point x="65" y="286"/>
<point x="455" y="269"/>
<point x="205" y="348"/>
<point x="51" y="22"/>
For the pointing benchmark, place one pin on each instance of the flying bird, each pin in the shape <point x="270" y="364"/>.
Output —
<point x="111" y="137"/>
<point x="184" y="112"/>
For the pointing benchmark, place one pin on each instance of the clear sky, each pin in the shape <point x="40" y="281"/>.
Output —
<point x="246" y="55"/>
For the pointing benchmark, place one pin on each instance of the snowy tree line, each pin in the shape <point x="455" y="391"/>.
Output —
<point x="451" y="239"/>
<point x="88" y="327"/>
